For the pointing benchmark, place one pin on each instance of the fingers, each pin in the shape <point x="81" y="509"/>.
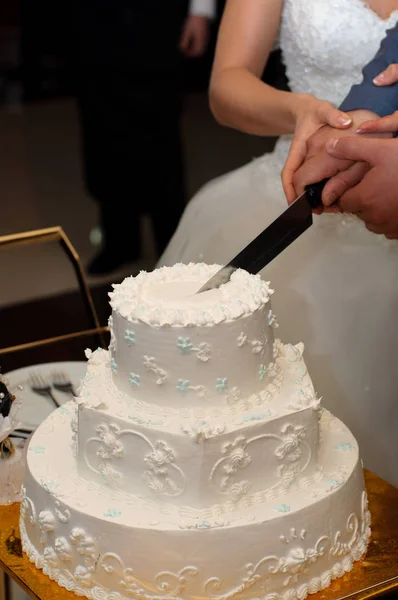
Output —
<point x="387" y="77"/>
<point x="197" y="43"/>
<point x="386" y="229"/>
<point x="319" y="167"/>
<point x="359" y="148"/>
<point x="343" y="181"/>
<point x="351" y="200"/>
<point x="387" y="124"/>
<point x="296" y="157"/>
<point x="185" y="40"/>
<point x="194" y="36"/>
<point x="334" y="117"/>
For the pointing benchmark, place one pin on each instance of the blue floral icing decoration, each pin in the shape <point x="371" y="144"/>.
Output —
<point x="221" y="384"/>
<point x="255" y="417"/>
<point x="184" y="345"/>
<point x="37" y="449"/>
<point x="129" y="336"/>
<point x="332" y="482"/>
<point x="282" y="508"/>
<point x="262" y="372"/>
<point x="112" y="512"/>
<point x="345" y="447"/>
<point x="134" y="379"/>
<point x="203" y="525"/>
<point x="50" y="485"/>
<point x="113" y="365"/>
<point x="182" y="386"/>
<point x="140" y="421"/>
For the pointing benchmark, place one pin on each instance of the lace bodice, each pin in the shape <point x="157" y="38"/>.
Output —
<point x="326" y="44"/>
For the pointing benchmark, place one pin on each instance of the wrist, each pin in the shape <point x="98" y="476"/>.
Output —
<point x="299" y="104"/>
<point x="361" y="115"/>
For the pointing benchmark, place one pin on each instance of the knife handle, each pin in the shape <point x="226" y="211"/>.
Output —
<point x="314" y="193"/>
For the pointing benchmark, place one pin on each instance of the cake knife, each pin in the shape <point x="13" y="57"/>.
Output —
<point x="286" y="228"/>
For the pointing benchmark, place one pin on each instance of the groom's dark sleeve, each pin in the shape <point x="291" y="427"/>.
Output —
<point x="380" y="100"/>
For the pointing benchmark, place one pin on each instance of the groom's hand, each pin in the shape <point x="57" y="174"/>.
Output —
<point x="375" y="198"/>
<point x="320" y="165"/>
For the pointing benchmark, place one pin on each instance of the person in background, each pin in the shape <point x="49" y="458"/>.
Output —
<point x="128" y="72"/>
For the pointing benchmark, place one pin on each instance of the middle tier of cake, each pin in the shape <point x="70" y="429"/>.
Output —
<point x="226" y="455"/>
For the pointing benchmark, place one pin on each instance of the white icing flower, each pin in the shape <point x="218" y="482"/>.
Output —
<point x="46" y="521"/>
<point x="63" y="549"/>
<point x="50" y="557"/>
<point x="83" y="576"/>
<point x="233" y="395"/>
<point x="298" y="560"/>
<point x="203" y="352"/>
<point x="257" y="346"/>
<point x="109" y="435"/>
<point x="110" y="475"/>
<point x="161" y="456"/>
<point x="237" y="457"/>
<point x="238" y="490"/>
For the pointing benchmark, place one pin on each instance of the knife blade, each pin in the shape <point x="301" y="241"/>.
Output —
<point x="286" y="228"/>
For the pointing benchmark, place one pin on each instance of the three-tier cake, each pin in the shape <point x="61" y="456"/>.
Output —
<point x="196" y="462"/>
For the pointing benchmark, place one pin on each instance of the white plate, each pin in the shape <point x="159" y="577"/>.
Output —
<point x="35" y="408"/>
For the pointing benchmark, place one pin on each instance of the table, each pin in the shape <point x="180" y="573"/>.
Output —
<point x="373" y="577"/>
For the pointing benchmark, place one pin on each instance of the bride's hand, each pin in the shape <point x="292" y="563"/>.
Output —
<point x="310" y="115"/>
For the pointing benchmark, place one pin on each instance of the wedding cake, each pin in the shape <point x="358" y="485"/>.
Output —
<point x="196" y="462"/>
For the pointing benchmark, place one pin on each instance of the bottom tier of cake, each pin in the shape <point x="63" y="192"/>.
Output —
<point x="105" y="544"/>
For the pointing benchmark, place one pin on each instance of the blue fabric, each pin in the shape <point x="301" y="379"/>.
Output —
<point x="366" y="95"/>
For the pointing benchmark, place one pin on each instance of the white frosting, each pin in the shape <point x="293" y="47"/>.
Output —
<point x="199" y="433"/>
<point x="167" y="296"/>
<point x="183" y="358"/>
<point x="103" y="544"/>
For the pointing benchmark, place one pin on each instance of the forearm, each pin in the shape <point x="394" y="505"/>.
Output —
<point x="239" y="99"/>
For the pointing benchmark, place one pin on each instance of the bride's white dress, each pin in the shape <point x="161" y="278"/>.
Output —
<point x="337" y="285"/>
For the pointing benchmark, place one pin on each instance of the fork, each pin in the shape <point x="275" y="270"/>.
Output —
<point x="39" y="385"/>
<point x="62" y="383"/>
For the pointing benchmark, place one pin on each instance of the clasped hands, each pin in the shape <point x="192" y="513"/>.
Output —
<point x="357" y="152"/>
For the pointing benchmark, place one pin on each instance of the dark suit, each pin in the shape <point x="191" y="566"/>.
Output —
<point x="129" y="88"/>
<point x="381" y="100"/>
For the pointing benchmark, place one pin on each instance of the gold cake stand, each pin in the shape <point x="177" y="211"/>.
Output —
<point x="373" y="577"/>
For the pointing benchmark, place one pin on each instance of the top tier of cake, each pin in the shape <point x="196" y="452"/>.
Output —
<point x="166" y="350"/>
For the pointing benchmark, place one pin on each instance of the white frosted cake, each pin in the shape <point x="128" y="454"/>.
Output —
<point x="196" y="462"/>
